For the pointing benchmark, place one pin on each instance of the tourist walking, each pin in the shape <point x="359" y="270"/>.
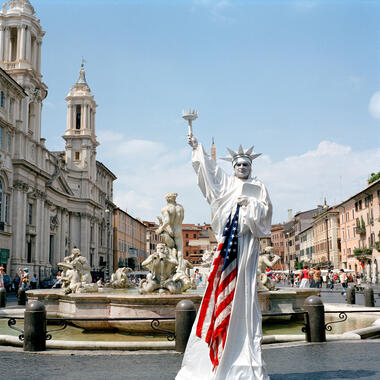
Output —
<point x="25" y="279"/>
<point x="304" y="276"/>
<point x="2" y="274"/>
<point x="317" y="277"/>
<point x="343" y="281"/>
<point x="331" y="280"/>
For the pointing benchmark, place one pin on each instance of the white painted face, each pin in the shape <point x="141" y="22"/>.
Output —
<point x="242" y="169"/>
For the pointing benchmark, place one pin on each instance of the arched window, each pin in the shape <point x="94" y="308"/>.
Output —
<point x="78" y="117"/>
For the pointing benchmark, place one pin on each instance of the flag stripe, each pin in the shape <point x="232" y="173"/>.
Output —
<point x="215" y="312"/>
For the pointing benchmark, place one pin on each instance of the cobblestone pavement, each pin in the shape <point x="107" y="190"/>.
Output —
<point x="327" y="361"/>
<point x="333" y="360"/>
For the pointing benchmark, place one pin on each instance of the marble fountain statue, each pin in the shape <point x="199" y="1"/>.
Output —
<point x="157" y="296"/>
<point x="168" y="266"/>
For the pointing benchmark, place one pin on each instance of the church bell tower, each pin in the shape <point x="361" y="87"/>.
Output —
<point x="80" y="131"/>
<point x="20" y="56"/>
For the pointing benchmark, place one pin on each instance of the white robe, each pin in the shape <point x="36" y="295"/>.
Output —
<point x="241" y="357"/>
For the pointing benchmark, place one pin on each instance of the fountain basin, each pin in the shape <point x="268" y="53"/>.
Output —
<point x="112" y="305"/>
<point x="285" y="300"/>
<point x="129" y="304"/>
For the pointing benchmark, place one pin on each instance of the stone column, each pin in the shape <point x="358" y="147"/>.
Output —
<point x="84" y="241"/>
<point x="22" y="42"/>
<point x="93" y="121"/>
<point x="34" y="54"/>
<point x="70" y="246"/>
<point x="6" y="44"/>
<point x="63" y="235"/>
<point x="47" y="231"/>
<point x="37" y="122"/>
<point x="2" y="50"/>
<point x="38" y="241"/>
<point x="84" y="113"/>
<point x="57" y="241"/>
<point x="73" y="110"/>
<point x="28" y="45"/>
<point x="96" y="250"/>
<point x="69" y="112"/>
<point x="39" y="43"/>
<point x="19" y="226"/>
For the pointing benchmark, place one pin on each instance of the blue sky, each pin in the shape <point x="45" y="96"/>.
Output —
<point x="300" y="80"/>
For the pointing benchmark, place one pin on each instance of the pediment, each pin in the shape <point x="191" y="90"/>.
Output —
<point x="60" y="184"/>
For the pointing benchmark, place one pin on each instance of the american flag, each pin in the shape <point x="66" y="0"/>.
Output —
<point x="215" y="311"/>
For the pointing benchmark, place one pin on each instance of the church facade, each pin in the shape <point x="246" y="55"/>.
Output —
<point x="50" y="201"/>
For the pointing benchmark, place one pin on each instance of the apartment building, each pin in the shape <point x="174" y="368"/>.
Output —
<point x="129" y="240"/>
<point x="326" y="234"/>
<point x="360" y="231"/>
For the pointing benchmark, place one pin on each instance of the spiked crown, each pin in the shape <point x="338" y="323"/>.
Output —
<point x="248" y="154"/>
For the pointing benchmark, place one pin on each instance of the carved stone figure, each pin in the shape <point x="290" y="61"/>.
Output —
<point x="208" y="258"/>
<point x="267" y="259"/>
<point x="71" y="281"/>
<point x="182" y="274"/>
<point x="162" y="265"/>
<point x="169" y="270"/>
<point x="76" y="276"/>
<point x="119" y="279"/>
<point x="170" y="225"/>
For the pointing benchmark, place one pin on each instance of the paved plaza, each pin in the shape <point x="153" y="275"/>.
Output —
<point x="327" y="361"/>
<point x="333" y="360"/>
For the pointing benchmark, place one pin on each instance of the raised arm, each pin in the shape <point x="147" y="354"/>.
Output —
<point x="212" y="180"/>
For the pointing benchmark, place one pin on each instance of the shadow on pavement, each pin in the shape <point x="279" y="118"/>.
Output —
<point x="341" y="375"/>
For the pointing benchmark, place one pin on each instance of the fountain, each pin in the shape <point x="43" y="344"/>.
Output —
<point x="157" y="296"/>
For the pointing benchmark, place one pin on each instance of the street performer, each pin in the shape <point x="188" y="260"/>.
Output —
<point x="225" y="342"/>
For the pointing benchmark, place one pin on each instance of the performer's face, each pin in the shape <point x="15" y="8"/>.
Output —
<point x="242" y="169"/>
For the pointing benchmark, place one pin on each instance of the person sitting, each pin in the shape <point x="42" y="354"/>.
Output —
<point x="58" y="281"/>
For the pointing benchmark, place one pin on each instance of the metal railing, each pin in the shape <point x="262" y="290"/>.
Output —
<point x="64" y="322"/>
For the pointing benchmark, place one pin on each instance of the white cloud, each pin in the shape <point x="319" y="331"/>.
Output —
<point x="217" y="8"/>
<point x="355" y="80"/>
<point x="331" y="170"/>
<point x="297" y="182"/>
<point x="374" y="105"/>
<point x="305" y="5"/>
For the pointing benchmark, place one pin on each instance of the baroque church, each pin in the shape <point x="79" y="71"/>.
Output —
<point x="50" y="201"/>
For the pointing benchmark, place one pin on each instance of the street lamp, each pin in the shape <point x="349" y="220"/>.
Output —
<point x="108" y="216"/>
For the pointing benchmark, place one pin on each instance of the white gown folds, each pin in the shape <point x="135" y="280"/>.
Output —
<point x="242" y="358"/>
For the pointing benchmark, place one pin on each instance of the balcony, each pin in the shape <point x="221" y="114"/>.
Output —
<point x="363" y="254"/>
<point x="360" y="230"/>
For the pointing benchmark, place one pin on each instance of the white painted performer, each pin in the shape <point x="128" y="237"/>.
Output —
<point x="241" y="357"/>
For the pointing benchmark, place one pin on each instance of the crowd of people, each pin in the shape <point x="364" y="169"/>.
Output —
<point x="314" y="278"/>
<point x="22" y="279"/>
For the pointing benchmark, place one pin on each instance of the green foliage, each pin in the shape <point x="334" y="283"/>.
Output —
<point x="362" y="224"/>
<point x="362" y="251"/>
<point x="374" y="177"/>
<point x="377" y="245"/>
